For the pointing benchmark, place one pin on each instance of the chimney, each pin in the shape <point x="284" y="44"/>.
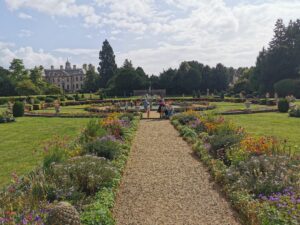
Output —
<point x="52" y="67"/>
<point x="61" y="67"/>
<point x="74" y="67"/>
<point x="84" y="66"/>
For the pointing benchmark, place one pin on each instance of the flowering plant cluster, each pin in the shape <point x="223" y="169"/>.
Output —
<point x="259" y="145"/>
<point x="260" y="175"/>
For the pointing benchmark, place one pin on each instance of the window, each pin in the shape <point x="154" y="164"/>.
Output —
<point x="76" y="86"/>
<point x="81" y="78"/>
<point x="81" y="86"/>
<point x="67" y="79"/>
<point x="76" y="78"/>
<point x="68" y="87"/>
<point x="73" y="86"/>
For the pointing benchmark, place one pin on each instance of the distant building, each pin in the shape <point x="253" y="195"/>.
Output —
<point x="68" y="79"/>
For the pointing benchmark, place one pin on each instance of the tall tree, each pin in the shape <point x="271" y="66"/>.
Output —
<point x="107" y="66"/>
<point x="18" y="71"/>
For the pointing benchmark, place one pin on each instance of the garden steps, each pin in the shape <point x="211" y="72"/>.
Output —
<point x="164" y="184"/>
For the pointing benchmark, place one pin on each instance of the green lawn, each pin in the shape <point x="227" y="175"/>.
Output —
<point x="21" y="143"/>
<point x="66" y="109"/>
<point x="271" y="124"/>
<point x="225" y="106"/>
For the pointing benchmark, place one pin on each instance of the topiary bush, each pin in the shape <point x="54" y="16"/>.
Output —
<point x="18" y="109"/>
<point x="283" y="105"/>
<point x="49" y="100"/>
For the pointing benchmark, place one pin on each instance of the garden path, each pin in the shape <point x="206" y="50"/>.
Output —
<point x="163" y="184"/>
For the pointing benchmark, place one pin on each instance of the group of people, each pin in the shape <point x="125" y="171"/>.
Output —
<point x="165" y="109"/>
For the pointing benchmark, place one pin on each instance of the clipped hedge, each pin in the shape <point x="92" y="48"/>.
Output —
<point x="18" y="109"/>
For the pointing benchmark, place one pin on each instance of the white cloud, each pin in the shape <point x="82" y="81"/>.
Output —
<point x="24" y="16"/>
<point x="24" y="33"/>
<point x="30" y="57"/>
<point x="77" y="51"/>
<point x="173" y="30"/>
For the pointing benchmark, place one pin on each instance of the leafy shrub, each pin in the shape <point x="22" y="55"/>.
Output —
<point x="92" y="131"/>
<point x="264" y="174"/>
<point x="104" y="147"/>
<point x="6" y="117"/>
<point x="69" y="97"/>
<point x="225" y="136"/>
<point x="36" y="101"/>
<point x="49" y="100"/>
<point x="55" y="151"/>
<point x="41" y="98"/>
<point x="84" y="174"/>
<point x="3" y="101"/>
<point x="287" y="87"/>
<point x="18" y="109"/>
<point x="126" y="116"/>
<point x="188" y="133"/>
<point x="295" y="112"/>
<point x="62" y="98"/>
<point x="283" y="105"/>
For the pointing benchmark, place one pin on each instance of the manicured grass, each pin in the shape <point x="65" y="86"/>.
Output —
<point x="21" y="143"/>
<point x="225" y="106"/>
<point x="270" y="124"/>
<point x="66" y="109"/>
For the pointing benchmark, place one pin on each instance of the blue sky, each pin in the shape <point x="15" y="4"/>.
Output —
<point x="154" y="34"/>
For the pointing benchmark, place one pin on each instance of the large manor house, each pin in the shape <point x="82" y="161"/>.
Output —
<point x="69" y="79"/>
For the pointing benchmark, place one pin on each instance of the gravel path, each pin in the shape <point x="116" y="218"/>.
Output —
<point x="164" y="184"/>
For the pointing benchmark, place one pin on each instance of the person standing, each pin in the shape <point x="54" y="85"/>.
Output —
<point x="147" y="107"/>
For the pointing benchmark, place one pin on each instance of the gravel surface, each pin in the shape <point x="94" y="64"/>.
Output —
<point x="163" y="184"/>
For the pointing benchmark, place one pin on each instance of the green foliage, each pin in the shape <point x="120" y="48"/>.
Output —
<point x="18" y="109"/>
<point x="49" y="99"/>
<point x="283" y="105"/>
<point x="264" y="174"/>
<point x="92" y="131"/>
<point x="55" y="152"/>
<point x="108" y="149"/>
<point x="287" y="87"/>
<point x="280" y="60"/>
<point x="99" y="212"/>
<point x="84" y="174"/>
<point x="27" y="87"/>
<point x="107" y="66"/>
<point x="295" y="112"/>
<point x="188" y="133"/>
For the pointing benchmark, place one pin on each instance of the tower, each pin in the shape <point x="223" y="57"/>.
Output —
<point x="68" y="65"/>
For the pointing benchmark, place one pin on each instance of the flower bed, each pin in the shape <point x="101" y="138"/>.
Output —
<point x="85" y="173"/>
<point x="259" y="175"/>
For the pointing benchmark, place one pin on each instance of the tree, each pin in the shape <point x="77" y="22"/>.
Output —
<point x="126" y="81"/>
<point x="17" y="69"/>
<point x="107" y="66"/>
<point x="27" y="87"/>
<point x="127" y="64"/>
<point x="7" y="87"/>
<point x="90" y="82"/>
<point x="36" y="75"/>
